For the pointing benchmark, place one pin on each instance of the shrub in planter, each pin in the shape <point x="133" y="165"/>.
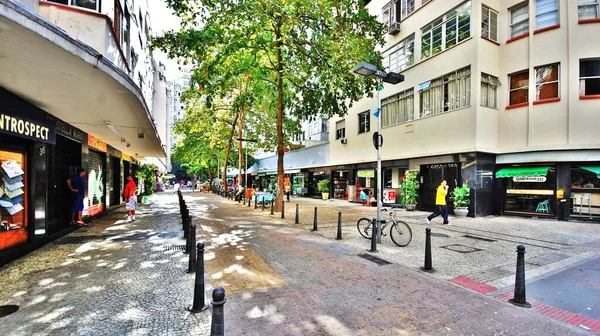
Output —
<point x="460" y="199"/>
<point x="409" y="190"/>
<point x="323" y="187"/>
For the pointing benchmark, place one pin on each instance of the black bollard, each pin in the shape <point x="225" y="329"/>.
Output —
<point x="520" y="298"/>
<point x="244" y="197"/>
<point x="249" y="201"/>
<point x="192" y="260"/>
<point x="428" y="267"/>
<point x="282" y="209"/>
<point x="255" y="202"/>
<point x="373" y="235"/>
<point x="188" y="239"/>
<point x="185" y="227"/>
<point x="315" y="221"/>
<point x="297" y="219"/>
<point x="217" y="326"/>
<point x="339" y="230"/>
<point x="199" y="303"/>
<point x="272" y="204"/>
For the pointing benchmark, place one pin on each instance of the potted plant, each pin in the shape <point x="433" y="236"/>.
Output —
<point x="146" y="175"/>
<point x="323" y="187"/>
<point x="460" y="198"/>
<point x="409" y="190"/>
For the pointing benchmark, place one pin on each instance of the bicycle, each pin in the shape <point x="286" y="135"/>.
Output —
<point x="400" y="232"/>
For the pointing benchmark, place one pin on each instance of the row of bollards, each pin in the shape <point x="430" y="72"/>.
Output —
<point x="196" y="265"/>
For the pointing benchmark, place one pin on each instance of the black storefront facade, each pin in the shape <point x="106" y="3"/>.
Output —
<point x="38" y="153"/>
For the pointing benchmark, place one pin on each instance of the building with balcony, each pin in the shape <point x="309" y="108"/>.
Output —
<point x="77" y="90"/>
<point x="503" y="95"/>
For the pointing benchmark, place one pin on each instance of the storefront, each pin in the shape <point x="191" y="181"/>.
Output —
<point x="96" y="177"/>
<point x="114" y="177"/>
<point x="431" y="175"/>
<point x="585" y="191"/>
<point x="313" y="177"/>
<point x="24" y="131"/>
<point x="340" y="184"/>
<point x="365" y="181"/>
<point x="529" y="190"/>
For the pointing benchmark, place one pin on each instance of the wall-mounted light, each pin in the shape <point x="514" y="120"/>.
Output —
<point x="140" y="134"/>
<point x="111" y="126"/>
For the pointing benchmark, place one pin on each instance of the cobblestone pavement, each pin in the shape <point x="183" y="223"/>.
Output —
<point x="110" y="278"/>
<point x="328" y="289"/>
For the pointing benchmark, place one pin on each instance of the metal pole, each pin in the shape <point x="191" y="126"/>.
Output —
<point x="246" y="169"/>
<point x="379" y="190"/>
<point x="297" y="219"/>
<point x="339" y="228"/>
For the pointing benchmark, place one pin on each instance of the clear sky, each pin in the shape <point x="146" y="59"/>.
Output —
<point x="163" y="19"/>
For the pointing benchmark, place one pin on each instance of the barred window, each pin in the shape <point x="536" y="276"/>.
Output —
<point x="589" y="9"/>
<point x="400" y="56"/>
<point x="398" y="109"/>
<point x="364" y="122"/>
<point x="449" y="92"/>
<point x="547" y="82"/>
<point x="489" y="90"/>
<point x="446" y="31"/>
<point x="489" y="23"/>
<point x="519" y="20"/>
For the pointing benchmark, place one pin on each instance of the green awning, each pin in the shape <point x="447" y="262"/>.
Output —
<point x="522" y="171"/>
<point x="593" y="169"/>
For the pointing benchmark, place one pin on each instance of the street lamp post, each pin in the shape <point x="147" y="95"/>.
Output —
<point x="367" y="69"/>
<point x="246" y="160"/>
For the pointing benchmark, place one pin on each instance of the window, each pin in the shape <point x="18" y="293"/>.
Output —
<point x="519" y="88"/>
<point x="489" y="91"/>
<point x="519" y="21"/>
<point x="489" y="23"/>
<point x="588" y="9"/>
<point x="546" y="13"/>
<point x="446" y="31"/>
<point x="88" y="4"/>
<point x="364" y="122"/>
<point x="408" y="6"/>
<point x="546" y="82"/>
<point x="389" y="16"/>
<point x="400" y="56"/>
<point x="340" y="129"/>
<point x="14" y="188"/>
<point x="398" y="109"/>
<point x="446" y="93"/>
<point x="119" y="24"/>
<point x="589" y="77"/>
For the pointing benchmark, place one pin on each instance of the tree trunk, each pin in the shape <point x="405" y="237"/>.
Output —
<point x="240" y="145"/>
<point x="228" y="150"/>
<point x="280" y="151"/>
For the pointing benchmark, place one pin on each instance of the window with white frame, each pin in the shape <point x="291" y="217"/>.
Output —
<point x="519" y="88"/>
<point x="489" y="23"/>
<point x="519" y="20"/>
<point x="400" y="56"/>
<point x="489" y="90"/>
<point x="340" y="129"/>
<point x="398" y="109"/>
<point x="88" y="4"/>
<point x="589" y="77"/>
<point x="546" y="13"/>
<point x="446" y="31"/>
<point x="589" y="9"/>
<point x="408" y="6"/>
<point x="547" y="84"/>
<point x="449" y="92"/>
<point x="364" y="122"/>
<point x="389" y="13"/>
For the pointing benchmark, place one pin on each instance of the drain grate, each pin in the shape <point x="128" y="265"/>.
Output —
<point x="7" y="310"/>
<point x="175" y="248"/>
<point x="479" y="238"/>
<point x="439" y="235"/>
<point x="374" y="259"/>
<point x="461" y="248"/>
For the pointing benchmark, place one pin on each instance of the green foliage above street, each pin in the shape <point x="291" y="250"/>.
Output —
<point x="146" y="174"/>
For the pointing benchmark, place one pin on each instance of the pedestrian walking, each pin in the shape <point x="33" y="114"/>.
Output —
<point x="288" y="191"/>
<point x="77" y="187"/>
<point x="440" y="201"/>
<point x="130" y="198"/>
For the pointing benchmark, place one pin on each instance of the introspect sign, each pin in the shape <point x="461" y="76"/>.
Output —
<point x="40" y="130"/>
<point x="529" y="179"/>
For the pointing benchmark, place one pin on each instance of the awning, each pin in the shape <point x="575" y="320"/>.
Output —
<point x="522" y="171"/>
<point x="593" y="169"/>
<point x="292" y="171"/>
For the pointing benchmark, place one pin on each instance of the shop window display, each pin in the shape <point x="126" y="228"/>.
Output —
<point x="585" y="191"/>
<point x="13" y="199"/>
<point x="532" y="194"/>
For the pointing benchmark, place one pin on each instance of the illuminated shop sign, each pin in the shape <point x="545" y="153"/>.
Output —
<point x="38" y="130"/>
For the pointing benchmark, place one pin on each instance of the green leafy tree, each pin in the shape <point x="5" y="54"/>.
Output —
<point x="299" y="53"/>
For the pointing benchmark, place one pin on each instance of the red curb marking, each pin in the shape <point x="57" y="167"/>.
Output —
<point x="473" y="284"/>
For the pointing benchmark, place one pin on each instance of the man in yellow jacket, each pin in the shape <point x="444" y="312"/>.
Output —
<point x="440" y="201"/>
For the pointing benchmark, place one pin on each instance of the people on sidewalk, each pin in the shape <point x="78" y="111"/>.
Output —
<point x="363" y="197"/>
<point x="77" y="187"/>
<point x="288" y="191"/>
<point x="130" y="198"/>
<point x="440" y="201"/>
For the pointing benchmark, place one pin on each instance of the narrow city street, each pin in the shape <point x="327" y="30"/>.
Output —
<point x="280" y="279"/>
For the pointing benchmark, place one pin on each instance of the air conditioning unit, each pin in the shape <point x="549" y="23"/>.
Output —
<point x="344" y="140"/>
<point x="394" y="28"/>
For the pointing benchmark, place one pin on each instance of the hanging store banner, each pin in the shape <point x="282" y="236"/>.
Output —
<point x="366" y="173"/>
<point x="37" y="129"/>
<point x="96" y="143"/>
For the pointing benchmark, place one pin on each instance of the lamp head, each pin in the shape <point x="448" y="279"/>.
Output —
<point x="393" y="78"/>
<point x="365" y="69"/>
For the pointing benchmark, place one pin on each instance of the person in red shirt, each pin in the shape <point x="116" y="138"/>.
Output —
<point x="130" y="198"/>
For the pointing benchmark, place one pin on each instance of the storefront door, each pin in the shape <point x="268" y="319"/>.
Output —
<point x="431" y="177"/>
<point x="114" y="178"/>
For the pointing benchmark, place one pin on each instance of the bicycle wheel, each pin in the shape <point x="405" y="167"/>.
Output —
<point x="401" y="233"/>
<point x="364" y="226"/>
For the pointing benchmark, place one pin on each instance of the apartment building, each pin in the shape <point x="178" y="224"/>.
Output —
<point x="77" y="90"/>
<point x="504" y="95"/>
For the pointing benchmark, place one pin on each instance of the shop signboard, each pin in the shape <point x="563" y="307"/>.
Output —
<point x="389" y="196"/>
<point x="532" y="179"/>
<point x="97" y="144"/>
<point x="366" y="173"/>
<point x="25" y="126"/>
<point x="69" y="131"/>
